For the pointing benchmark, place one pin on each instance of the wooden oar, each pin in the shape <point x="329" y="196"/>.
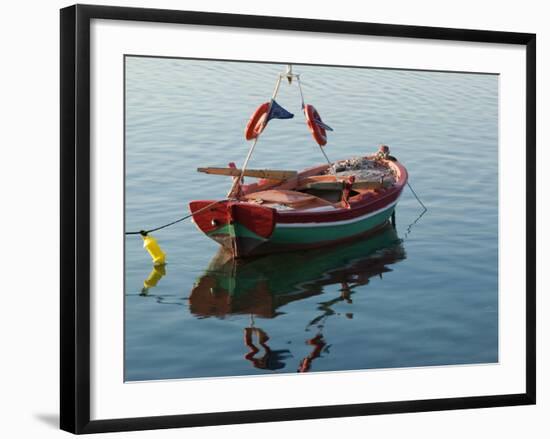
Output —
<point x="270" y="174"/>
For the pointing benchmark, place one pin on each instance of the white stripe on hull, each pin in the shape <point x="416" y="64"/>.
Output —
<point x="338" y="223"/>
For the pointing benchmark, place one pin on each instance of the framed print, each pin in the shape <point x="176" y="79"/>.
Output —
<point x="273" y="218"/>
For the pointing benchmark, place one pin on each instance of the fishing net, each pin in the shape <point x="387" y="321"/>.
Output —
<point x="363" y="169"/>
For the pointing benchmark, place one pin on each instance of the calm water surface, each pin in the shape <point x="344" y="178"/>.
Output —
<point x="423" y="294"/>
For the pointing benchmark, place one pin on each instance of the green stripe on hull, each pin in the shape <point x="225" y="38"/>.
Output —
<point x="309" y="235"/>
<point x="234" y="230"/>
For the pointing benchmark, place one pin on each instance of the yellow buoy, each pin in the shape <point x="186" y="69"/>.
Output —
<point x="151" y="245"/>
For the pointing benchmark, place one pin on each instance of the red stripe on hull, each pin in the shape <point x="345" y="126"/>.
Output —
<point x="358" y="209"/>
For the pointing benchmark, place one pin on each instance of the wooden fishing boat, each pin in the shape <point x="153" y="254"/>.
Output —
<point x="310" y="209"/>
<point x="289" y="210"/>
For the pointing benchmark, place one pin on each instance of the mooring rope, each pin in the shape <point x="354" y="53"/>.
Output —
<point x="146" y="232"/>
<point x="425" y="209"/>
<point x="416" y="196"/>
<point x="411" y="225"/>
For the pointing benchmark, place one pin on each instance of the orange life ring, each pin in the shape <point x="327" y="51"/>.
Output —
<point x="257" y="122"/>
<point x="317" y="131"/>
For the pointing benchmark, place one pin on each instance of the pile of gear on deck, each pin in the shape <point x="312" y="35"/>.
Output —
<point x="363" y="168"/>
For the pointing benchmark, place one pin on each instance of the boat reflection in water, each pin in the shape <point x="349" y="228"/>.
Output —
<point x="260" y="286"/>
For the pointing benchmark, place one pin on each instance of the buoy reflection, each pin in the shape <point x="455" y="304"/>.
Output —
<point x="156" y="274"/>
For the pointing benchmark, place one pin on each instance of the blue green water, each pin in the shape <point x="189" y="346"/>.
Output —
<point x="425" y="294"/>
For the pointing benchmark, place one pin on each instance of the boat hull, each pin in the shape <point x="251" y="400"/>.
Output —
<point x="243" y="240"/>
<point x="247" y="227"/>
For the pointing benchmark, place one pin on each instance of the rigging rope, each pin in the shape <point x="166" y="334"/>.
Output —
<point x="251" y="150"/>
<point x="303" y="108"/>
<point x="301" y="93"/>
<point x="146" y="232"/>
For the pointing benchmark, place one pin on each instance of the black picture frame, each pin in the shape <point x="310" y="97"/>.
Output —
<point x="75" y="217"/>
